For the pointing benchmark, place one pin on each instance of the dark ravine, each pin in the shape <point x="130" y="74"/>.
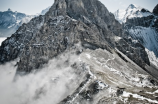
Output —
<point x="68" y="22"/>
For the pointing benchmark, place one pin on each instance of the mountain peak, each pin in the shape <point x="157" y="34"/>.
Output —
<point x="89" y="18"/>
<point x="155" y="10"/>
<point x="79" y="9"/>
<point x="132" y="6"/>
<point x="132" y="11"/>
<point x="9" y="9"/>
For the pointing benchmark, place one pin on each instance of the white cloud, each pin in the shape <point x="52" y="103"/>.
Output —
<point x="48" y="86"/>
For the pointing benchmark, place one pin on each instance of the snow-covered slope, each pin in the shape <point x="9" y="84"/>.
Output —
<point x="153" y="59"/>
<point x="149" y="38"/>
<point x="131" y="12"/>
<point x="119" y="15"/>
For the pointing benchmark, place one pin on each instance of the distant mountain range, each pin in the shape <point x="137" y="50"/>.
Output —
<point x="142" y="25"/>
<point x="10" y="21"/>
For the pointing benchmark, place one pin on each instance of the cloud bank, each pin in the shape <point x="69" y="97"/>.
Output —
<point x="48" y="86"/>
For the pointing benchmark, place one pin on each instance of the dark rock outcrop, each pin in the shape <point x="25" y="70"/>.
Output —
<point x="143" y="21"/>
<point x="68" y="22"/>
<point x="155" y="10"/>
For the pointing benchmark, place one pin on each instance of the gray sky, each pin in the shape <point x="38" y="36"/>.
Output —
<point x="36" y="6"/>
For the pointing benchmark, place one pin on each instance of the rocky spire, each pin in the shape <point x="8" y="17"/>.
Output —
<point x="9" y="9"/>
<point x="132" y="6"/>
<point x="78" y="9"/>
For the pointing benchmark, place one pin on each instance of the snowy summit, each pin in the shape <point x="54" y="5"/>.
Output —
<point x="131" y="12"/>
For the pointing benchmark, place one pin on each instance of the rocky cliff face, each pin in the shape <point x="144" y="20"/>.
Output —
<point x="155" y="10"/>
<point x="66" y="23"/>
<point x="143" y="21"/>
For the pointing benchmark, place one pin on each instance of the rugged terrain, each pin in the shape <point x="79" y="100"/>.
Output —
<point x="64" y="25"/>
<point x="82" y="35"/>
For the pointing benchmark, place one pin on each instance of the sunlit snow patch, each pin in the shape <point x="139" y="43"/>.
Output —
<point x="2" y="39"/>
<point x="88" y="56"/>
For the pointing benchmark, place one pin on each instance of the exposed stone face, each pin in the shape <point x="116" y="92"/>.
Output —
<point x="155" y="10"/>
<point x="143" y="21"/>
<point x="66" y="23"/>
